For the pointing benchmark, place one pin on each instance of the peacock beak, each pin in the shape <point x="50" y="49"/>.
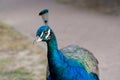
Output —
<point x="37" y="39"/>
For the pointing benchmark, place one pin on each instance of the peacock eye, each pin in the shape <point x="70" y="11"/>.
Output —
<point x="45" y="32"/>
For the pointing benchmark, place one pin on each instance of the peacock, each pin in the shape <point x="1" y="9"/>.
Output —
<point x="69" y="63"/>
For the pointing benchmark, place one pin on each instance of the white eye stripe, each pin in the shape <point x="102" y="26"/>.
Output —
<point x="41" y="34"/>
<point x="48" y="34"/>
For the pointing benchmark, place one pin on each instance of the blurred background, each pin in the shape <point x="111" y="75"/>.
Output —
<point x="92" y="24"/>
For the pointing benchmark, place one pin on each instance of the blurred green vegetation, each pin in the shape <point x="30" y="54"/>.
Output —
<point x="104" y="6"/>
<point x="18" y="74"/>
<point x="9" y="36"/>
<point x="19" y="58"/>
<point x="12" y="40"/>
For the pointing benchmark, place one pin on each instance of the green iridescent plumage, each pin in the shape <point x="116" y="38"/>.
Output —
<point x="83" y="56"/>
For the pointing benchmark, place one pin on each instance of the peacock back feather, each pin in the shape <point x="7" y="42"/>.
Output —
<point x="83" y="56"/>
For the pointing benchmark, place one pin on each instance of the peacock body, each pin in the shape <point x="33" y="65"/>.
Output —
<point x="69" y="63"/>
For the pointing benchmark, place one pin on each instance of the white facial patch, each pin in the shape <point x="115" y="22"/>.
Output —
<point x="48" y="34"/>
<point x="41" y="34"/>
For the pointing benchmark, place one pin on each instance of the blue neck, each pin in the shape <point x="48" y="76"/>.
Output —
<point x="52" y="53"/>
<point x="55" y="57"/>
<point x="52" y="44"/>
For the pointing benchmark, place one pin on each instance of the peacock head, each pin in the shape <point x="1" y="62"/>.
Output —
<point x="44" y="33"/>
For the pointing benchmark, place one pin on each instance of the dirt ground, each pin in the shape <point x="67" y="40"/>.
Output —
<point x="98" y="33"/>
